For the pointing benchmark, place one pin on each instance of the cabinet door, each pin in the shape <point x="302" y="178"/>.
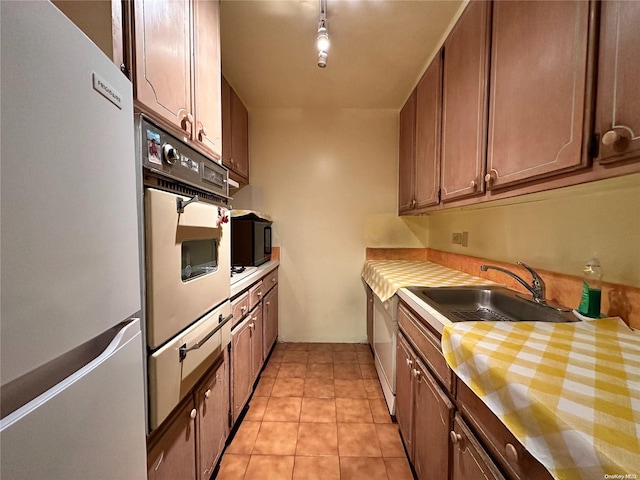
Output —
<point x="618" y="103"/>
<point x="162" y="32"/>
<point x="406" y="154"/>
<point x="470" y="460"/>
<point x="208" y="114"/>
<point x="428" y="110"/>
<point x="405" y="360"/>
<point x="270" y="321"/>
<point x="432" y="422"/>
<point x="538" y="90"/>
<point x="239" y="136"/>
<point x="464" y="103"/>
<point x="256" y="342"/>
<point x="226" y="123"/>
<point x="212" y="400"/>
<point x="241" y="366"/>
<point x="174" y="454"/>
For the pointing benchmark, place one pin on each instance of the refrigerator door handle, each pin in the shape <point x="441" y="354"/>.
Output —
<point x="121" y="335"/>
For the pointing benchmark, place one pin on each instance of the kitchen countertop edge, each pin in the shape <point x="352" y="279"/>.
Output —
<point x="244" y="283"/>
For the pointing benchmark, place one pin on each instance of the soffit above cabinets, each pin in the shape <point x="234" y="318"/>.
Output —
<point x="379" y="49"/>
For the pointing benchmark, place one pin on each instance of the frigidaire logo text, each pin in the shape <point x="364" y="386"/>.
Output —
<point x="108" y="90"/>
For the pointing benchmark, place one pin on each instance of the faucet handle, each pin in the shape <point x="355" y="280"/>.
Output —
<point x="538" y="283"/>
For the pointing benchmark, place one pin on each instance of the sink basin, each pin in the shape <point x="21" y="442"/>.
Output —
<point x="489" y="303"/>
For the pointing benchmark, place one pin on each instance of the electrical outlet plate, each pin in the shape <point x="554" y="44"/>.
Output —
<point x="456" y="238"/>
<point x="465" y="239"/>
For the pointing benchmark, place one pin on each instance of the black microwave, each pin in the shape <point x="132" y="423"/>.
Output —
<point x="250" y="241"/>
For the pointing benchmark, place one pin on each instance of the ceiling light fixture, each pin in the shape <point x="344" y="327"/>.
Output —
<point x="322" y="39"/>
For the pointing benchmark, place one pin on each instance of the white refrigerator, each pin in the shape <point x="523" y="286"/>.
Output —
<point x="72" y="391"/>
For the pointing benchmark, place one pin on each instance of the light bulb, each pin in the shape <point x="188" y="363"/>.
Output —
<point x="322" y="59"/>
<point x="322" y="40"/>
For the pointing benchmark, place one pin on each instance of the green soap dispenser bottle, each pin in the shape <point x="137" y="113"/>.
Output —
<point x="591" y="289"/>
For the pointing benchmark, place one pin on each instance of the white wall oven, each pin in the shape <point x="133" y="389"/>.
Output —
<point x="187" y="244"/>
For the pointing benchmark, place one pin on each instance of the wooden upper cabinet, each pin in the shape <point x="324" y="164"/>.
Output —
<point x="539" y="84"/>
<point x="235" y="133"/>
<point x="239" y="136"/>
<point x="406" y="155"/>
<point x="208" y="119"/>
<point x="163" y="59"/>
<point x="464" y="103"/>
<point x="427" y="136"/>
<point x="618" y="100"/>
<point x="226" y="123"/>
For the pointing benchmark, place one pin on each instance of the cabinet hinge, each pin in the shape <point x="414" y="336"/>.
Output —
<point x="594" y="146"/>
<point x="125" y="70"/>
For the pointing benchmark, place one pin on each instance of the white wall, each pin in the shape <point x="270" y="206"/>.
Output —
<point x="329" y="180"/>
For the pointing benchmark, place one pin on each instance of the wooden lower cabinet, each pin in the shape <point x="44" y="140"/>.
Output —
<point x="405" y="359"/>
<point x="256" y="342"/>
<point x="269" y="321"/>
<point x="432" y="422"/>
<point x="469" y="459"/>
<point x="212" y="399"/>
<point x="189" y="444"/>
<point x="241" y="366"/>
<point x="448" y="431"/>
<point x="173" y="455"/>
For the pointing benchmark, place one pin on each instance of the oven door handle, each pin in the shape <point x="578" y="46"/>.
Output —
<point x="183" y="350"/>
<point x="180" y="203"/>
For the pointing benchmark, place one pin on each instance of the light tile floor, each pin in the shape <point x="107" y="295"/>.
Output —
<point x="317" y="413"/>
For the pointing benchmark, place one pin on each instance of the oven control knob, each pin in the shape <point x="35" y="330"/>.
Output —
<point x="170" y="154"/>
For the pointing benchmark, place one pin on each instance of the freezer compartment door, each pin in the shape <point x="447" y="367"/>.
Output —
<point x="90" y="425"/>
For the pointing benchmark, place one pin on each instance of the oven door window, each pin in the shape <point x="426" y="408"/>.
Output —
<point x="199" y="257"/>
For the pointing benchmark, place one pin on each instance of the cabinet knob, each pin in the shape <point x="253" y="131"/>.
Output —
<point x="207" y="394"/>
<point x="511" y="452"/>
<point x="491" y="176"/>
<point x="187" y="119"/>
<point x="193" y="413"/>
<point x="273" y="280"/>
<point x="413" y="202"/>
<point x="416" y="372"/>
<point x="617" y="139"/>
<point x="202" y="132"/>
<point x="455" y="437"/>
<point x="472" y="184"/>
<point x="259" y="294"/>
<point x="243" y="309"/>
<point x="267" y="303"/>
<point x="409" y="362"/>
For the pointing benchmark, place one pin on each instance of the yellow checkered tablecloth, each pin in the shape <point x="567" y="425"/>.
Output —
<point x="569" y="392"/>
<point x="385" y="277"/>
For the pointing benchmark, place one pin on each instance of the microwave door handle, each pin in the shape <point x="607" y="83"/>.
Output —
<point x="184" y="350"/>
<point x="267" y="240"/>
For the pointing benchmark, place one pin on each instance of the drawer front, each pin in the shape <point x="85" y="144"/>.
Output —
<point x="240" y="307"/>
<point x="508" y="452"/>
<point x="255" y="294"/>
<point x="270" y="281"/>
<point x="427" y="345"/>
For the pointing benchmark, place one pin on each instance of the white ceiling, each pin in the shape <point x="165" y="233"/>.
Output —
<point x="379" y="49"/>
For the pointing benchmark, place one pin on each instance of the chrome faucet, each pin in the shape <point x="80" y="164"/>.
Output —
<point x="537" y="287"/>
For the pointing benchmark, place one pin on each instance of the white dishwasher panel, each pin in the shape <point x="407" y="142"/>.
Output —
<point x="385" y="332"/>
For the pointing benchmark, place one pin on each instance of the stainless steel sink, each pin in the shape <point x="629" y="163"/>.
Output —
<point x="489" y="303"/>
